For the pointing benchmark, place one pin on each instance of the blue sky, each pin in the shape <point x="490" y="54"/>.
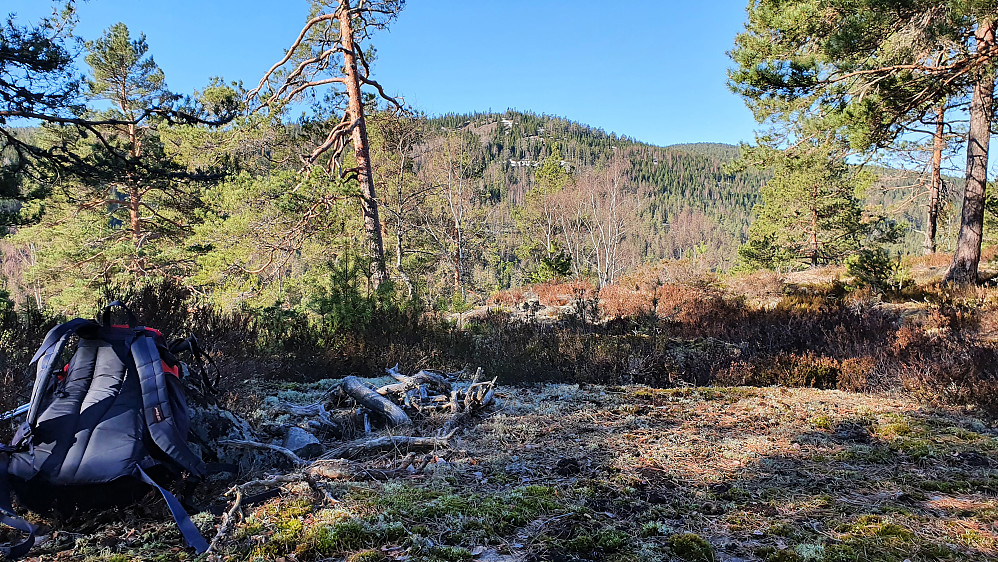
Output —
<point x="652" y="70"/>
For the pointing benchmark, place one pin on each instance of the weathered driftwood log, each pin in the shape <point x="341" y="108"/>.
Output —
<point x="389" y="442"/>
<point x="476" y="397"/>
<point x="373" y="401"/>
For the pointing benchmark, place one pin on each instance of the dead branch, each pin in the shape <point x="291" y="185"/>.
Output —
<point x="317" y="409"/>
<point x="424" y="377"/>
<point x="378" y="444"/>
<point x="266" y="446"/>
<point x="373" y="401"/>
<point x="341" y="469"/>
<point x="228" y="520"/>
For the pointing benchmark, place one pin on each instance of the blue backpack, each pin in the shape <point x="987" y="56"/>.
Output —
<point x="103" y="428"/>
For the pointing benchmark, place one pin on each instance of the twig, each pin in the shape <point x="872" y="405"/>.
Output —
<point x="227" y="520"/>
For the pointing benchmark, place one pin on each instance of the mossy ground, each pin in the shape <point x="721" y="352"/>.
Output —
<point x="633" y="473"/>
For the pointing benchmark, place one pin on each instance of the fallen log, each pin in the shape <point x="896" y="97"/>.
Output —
<point x="373" y="401"/>
<point x="317" y="409"/>
<point x="400" y="442"/>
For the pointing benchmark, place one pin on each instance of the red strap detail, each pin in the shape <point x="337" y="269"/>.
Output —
<point x="175" y="370"/>
<point x="65" y="373"/>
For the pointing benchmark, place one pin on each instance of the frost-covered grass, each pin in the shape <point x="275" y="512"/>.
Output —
<point x="635" y="473"/>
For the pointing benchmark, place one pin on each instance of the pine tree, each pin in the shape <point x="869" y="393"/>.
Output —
<point x="810" y="213"/>
<point x="868" y="71"/>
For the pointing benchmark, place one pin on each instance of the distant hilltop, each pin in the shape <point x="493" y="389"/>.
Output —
<point x="687" y="204"/>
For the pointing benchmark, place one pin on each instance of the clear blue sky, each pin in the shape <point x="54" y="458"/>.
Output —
<point x="652" y="70"/>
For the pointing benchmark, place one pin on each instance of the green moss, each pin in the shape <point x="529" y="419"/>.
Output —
<point x="976" y="539"/>
<point x="822" y="422"/>
<point x="780" y="529"/>
<point x="646" y="392"/>
<point x="862" y="551"/>
<point x="655" y="529"/>
<point x="934" y="551"/>
<point x="343" y="536"/>
<point x="894" y="429"/>
<point x="445" y="554"/>
<point x="964" y="434"/>
<point x="945" y="486"/>
<point x="894" y="530"/>
<point x="604" y="541"/>
<point x="987" y="515"/>
<point x="691" y="547"/>
<point x="611" y="540"/>
<point x="286" y="521"/>
<point x="874" y="526"/>
<point x="916" y="449"/>
<point x="465" y="518"/>
<point x="866" y="453"/>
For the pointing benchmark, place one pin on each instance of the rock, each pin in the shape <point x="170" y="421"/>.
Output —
<point x="852" y="431"/>
<point x="211" y="424"/>
<point x="302" y="443"/>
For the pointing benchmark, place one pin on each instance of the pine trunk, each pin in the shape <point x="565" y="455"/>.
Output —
<point x="967" y="257"/>
<point x="365" y="177"/>
<point x="936" y="184"/>
<point x="814" y="227"/>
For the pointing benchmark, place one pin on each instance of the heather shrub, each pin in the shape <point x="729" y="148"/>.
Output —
<point x="618" y="301"/>
<point x="756" y="285"/>
<point x="854" y="373"/>
<point x="789" y="369"/>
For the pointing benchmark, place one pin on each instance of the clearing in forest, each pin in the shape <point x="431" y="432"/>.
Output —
<point x="633" y="473"/>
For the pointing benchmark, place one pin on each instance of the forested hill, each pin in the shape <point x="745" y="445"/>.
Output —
<point x="685" y="202"/>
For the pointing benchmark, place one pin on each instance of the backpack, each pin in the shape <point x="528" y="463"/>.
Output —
<point x="103" y="429"/>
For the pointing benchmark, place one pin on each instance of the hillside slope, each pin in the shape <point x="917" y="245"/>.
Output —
<point x="685" y="201"/>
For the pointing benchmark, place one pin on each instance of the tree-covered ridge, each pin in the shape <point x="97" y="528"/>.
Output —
<point x="685" y="199"/>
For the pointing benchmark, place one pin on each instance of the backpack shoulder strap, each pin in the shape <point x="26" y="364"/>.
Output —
<point x="53" y="345"/>
<point x="9" y="518"/>
<point x="156" y="405"/>
<point x="187" y="528"/>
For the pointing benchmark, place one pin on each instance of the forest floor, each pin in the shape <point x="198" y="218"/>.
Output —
<point x="633" y="473"/>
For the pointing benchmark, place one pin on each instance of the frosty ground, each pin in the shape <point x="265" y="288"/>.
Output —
<point x="559" y="472"/>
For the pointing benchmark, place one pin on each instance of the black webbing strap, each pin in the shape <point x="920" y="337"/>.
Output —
<point x="187" y="528"/>
<point x="9" y="518"/>
<point x="202" y="362"/>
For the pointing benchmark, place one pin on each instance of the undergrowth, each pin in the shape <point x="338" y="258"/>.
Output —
<point x="642" y="330"/>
